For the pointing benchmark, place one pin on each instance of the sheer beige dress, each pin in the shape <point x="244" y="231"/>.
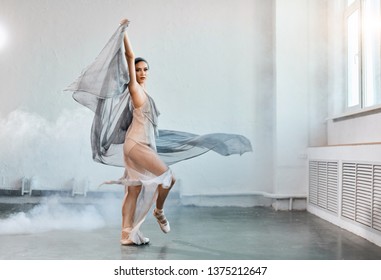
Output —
<point x="143" y="166"/>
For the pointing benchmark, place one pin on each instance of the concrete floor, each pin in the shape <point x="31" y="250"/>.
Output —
<point x="207" y="233"/>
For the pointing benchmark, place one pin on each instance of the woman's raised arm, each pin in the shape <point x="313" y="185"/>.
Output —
<point x="137" y="93"/>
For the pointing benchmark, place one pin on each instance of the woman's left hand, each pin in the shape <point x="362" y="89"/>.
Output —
<point x="124" y="22"/>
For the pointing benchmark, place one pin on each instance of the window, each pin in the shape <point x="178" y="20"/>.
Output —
<point x="363" y="29"/>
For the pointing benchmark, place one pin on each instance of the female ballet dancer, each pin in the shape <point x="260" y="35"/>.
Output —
<point x="125" y="134"/>
<point x="143" y="164"/>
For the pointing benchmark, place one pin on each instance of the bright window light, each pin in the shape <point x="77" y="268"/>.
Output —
<point x="3" y="37"/>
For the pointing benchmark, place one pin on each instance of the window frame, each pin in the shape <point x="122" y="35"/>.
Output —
<point x="350" y="10"/>
<point x="356" y="5"/>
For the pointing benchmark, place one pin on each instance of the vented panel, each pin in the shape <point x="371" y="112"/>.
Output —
<point x="361" y="197"/>
<point x="332" y="186"/>
<point x="376" y="210"/>
<point x="313" y="182"/>
<point x="348" y="203"/>
<point x="360" y="190"/>
<point x="323" y="184"/>
<point x="364" y="194"/>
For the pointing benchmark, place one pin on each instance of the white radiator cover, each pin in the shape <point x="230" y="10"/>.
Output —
<point x="344" y="187"/>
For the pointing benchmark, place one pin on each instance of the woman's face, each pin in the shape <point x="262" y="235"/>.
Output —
<point x="141" y="69"/>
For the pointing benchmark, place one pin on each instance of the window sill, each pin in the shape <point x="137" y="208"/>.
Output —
<point x="357" y="113"/>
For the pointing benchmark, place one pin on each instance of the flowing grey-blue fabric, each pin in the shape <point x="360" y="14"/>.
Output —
<point x="103" y="88"/>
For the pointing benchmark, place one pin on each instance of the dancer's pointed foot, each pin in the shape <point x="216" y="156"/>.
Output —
<point x="125" y="237"/>
<point x="162" y="220"/>
<point x="126" y="241"/>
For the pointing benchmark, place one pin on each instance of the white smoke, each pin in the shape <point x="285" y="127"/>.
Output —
<point x="51" y="214"/>
<point x="55" y="152"/>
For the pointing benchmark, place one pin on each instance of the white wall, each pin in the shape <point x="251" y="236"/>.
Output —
<point x="207" y="63"/>
<point x="358" y="129"/>
<point x="291" y="93"/>
<point x="301" y="94"/>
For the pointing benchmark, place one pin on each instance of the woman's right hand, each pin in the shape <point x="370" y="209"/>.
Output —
<point x="124" y="22"/>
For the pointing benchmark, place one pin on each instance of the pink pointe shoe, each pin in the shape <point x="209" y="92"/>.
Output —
<point x="162" y="220"/>
<point x="126" y="241"/>
<point x="125" y="238"/>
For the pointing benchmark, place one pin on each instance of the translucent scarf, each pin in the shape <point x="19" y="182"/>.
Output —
<point x="103" y="88"/>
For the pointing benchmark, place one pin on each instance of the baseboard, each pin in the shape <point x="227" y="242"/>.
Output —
<point x="244" y="200"/>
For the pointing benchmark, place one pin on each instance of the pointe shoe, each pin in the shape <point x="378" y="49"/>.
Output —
<point x="126" y="241"/>
<point x="125" y="238"/>
<point x="162" y="220"/>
